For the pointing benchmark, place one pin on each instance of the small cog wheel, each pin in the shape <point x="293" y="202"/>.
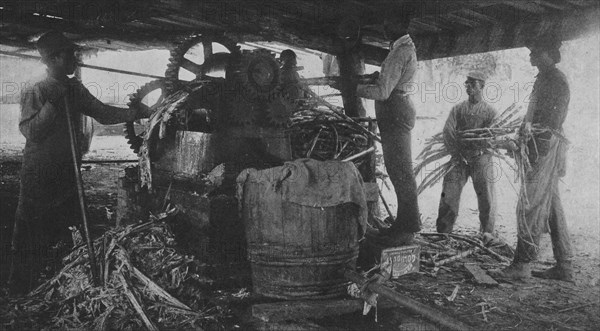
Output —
<point x="195" y="54"/>
<point x="280" y="111"/>
<point x="150" y="94"/>
<point x="258" y="72"/>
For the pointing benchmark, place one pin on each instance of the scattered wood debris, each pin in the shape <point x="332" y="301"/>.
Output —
<point x="148" y="284"/>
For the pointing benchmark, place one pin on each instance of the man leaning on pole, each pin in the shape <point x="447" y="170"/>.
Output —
<point x="48" y="198"/>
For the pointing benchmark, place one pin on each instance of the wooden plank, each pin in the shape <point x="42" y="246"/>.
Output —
<point x="552" y="4"/>
<point x="479" y="16"/>
<point x="462" y="20"/>
<point x="480" y="276"/>
<point x="313" y="309"/>
<point x="526" y="6"/>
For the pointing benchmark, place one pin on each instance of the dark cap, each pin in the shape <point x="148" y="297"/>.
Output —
<point x="477" y="75"/>
<point x="53" y="42"/>
<point x="287" y="54"/>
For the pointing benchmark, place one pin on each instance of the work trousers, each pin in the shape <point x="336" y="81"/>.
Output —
<point x="40" y="239"/>
<point x="540" y="210"/>
<point x="528" y="245"/>
<point x="395" y="119"/>
<point x="484" y="174"/>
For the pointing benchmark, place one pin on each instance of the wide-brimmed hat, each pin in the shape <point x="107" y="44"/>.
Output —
<point x="479" y="75"/>
<point x="53" y="42"/>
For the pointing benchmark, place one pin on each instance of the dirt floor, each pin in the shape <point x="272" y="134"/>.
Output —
<point x="531" y="305"/>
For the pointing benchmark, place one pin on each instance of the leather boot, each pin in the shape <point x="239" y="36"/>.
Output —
<point x="515" y="271"/>
<point x="563" y="270"/>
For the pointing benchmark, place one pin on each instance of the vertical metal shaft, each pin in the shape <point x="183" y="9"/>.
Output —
<point x="81" y="192"/>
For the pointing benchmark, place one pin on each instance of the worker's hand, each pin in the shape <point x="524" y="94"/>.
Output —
<point x="368" y="79"/>
<point x="141" y="110"/>
<point x="526" y="129"/>
<point x="336" y="84"/>
<point x="507" y="144"/>
<point x="56" y="93"/>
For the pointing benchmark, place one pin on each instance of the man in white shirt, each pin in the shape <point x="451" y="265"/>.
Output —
<point x="395" y="119"/>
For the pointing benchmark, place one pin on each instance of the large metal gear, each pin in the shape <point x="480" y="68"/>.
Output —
<point x="280" y="111"/>
<point x="258" y="72"/>
<point x="155" y="89"/>
<point x="202" y="65"/>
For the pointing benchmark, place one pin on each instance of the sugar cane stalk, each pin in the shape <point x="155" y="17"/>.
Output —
<point x="455" y="257"/>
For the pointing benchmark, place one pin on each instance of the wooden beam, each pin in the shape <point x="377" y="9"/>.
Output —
<point x="527" y="6"/>
<point x="430" y="27"/>
<point x="582" y="3"/>
<point x="436" y="21"/>
<point x="464" y="21"/>
<point x="195" y="23"/>
<point x="559" y="5"/>
<point x="477" y="15"/>
<point x="504" y="35"/>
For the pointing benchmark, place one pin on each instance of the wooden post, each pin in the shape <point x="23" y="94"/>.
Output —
<point x="350" y="66"/>
<point x="414" y="306"/>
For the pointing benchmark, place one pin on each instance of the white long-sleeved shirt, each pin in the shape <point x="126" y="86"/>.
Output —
<point x="397" y="71"/>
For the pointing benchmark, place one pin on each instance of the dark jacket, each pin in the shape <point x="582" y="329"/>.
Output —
<point x="549" y="101"/>
<point x="47" y="174"/>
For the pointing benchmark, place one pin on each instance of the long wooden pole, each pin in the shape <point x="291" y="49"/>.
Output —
<point x="83" y="65"/>
<point x="81" y="193"/>
<point x="445" y="321"/>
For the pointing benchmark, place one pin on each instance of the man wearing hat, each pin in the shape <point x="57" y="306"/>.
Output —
<point x="469" y="159"/>
<point x="396" y="117"/>
<point x="48" y="201"/>
<point x="539" y="209"/>
<point x="289" y="77"/>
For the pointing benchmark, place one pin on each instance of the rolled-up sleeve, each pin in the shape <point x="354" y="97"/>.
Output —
<point x="391" y="71"/>
<point x="37" y="115"/>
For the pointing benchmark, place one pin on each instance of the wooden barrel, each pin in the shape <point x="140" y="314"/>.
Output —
<point x="297" y="251"/>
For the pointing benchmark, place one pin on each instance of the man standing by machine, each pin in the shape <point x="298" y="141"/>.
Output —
<point x="470" y="160"/>
<point x="48" y="201"/>
<point x="539" y="209"/>
<point x="395" y="118"/>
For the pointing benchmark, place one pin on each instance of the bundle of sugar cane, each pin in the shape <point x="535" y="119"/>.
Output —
<point x="504" y="127"/>
<point x="322" y="135"/>
<point x="157" y="126"/>
<point x="142" y="272"/>
<point x="492" y="138"/>
<point x="435" y="152"/>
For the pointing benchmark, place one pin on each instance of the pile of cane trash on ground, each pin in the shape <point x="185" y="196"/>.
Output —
<point x="146" y="284"/>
